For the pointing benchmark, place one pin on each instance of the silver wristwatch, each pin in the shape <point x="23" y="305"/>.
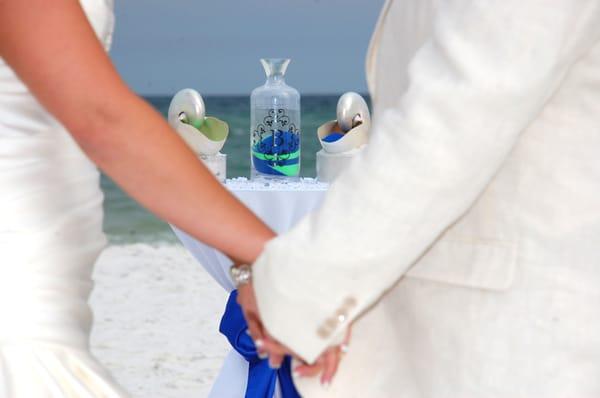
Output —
<point x="240" y="274"/>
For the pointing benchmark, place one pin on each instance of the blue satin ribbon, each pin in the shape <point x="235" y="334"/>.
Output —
<point x="261" y="378"/>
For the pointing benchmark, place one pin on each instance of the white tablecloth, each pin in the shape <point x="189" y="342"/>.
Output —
<point x="280" y="205"/>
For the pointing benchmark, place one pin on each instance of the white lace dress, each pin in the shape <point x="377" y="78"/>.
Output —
<point x="50" y="237"/>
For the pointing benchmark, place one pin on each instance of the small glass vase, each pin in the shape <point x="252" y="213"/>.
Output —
<point x="275" y="124"/>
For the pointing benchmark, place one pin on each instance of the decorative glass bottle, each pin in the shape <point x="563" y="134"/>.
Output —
<point x="275" y="124"/>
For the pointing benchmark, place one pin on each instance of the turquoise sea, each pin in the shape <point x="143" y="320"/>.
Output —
<point x="127" y="222"/>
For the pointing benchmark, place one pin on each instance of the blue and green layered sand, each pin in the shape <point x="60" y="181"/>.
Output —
<point x="278" y="154"/>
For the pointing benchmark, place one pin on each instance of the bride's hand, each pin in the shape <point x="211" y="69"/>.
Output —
<point x="326" y="365"/>
<point x="265" y="344"/>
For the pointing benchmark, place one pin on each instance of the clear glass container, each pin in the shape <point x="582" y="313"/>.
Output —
<point x="275" y="124"/>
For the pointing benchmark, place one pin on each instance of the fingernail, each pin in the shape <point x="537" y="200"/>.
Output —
<point x="259" y="343"/>
<point x="263" y="355"/>
<point x="326" y="385"/>
<point x="274" y="366"/>
<point x="344" y="348"/>
<point x="248" y="332"/>
<point x="296" y="374"/>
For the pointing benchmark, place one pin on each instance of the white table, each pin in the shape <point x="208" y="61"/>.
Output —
<point x="280" y="205"/>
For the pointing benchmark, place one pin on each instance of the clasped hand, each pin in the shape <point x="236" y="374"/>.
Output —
<point x="326" y="365"/>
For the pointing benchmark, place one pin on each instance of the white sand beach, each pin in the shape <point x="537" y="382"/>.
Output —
<point x="156" y="321"/>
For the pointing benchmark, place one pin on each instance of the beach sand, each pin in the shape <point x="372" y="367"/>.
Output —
<point x="156" y="316"/>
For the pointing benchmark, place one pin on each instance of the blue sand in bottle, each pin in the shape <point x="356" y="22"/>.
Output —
<point x="333" y="137"/>
<point x="268" y="167"/>
<point x="278" y="154"/>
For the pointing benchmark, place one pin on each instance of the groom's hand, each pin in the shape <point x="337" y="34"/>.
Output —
<point x="327" y="364"/>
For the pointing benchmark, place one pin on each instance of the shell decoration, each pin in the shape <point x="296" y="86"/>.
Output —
<point x="206" y="135"/>
<point x="351" y="129"/>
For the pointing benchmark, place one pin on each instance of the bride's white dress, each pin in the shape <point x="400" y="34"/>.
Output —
<point x="50" y="237"/>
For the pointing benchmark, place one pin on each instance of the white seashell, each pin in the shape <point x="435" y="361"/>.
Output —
<point x="187" y="115"/>
<point x="353" y="123"/>
<point x="198" y="141"/>
<point x="352" y="110"/>
<point x="353" y="139"/>
<point x="186" y="105"/>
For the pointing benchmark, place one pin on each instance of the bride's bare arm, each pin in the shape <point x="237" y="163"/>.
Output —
<point x="53" y="49"/>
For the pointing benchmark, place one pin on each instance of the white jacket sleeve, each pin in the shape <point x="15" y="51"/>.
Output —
<point x="485" y="73"/>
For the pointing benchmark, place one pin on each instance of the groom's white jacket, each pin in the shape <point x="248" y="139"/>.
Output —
<point x="465" y="243"/>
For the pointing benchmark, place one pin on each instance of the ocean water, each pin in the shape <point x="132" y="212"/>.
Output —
<point x="126" y="222"/>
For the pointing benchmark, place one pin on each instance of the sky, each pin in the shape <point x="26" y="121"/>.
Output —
<point x="214" y="46"/>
